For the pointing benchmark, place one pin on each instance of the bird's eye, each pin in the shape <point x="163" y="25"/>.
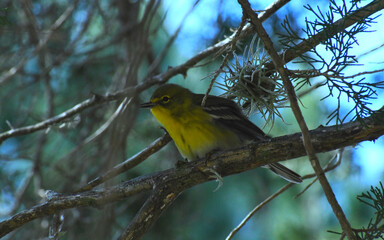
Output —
<point x="165" y="99"/>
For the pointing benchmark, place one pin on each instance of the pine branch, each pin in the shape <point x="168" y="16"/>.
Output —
<point x="279" y="66"/>
<point x="339" y="26"/>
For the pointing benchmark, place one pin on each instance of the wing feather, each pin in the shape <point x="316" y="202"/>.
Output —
<point x="228" y="114"/>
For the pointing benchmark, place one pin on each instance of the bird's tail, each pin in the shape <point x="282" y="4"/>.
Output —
<point x="284" y="172"/>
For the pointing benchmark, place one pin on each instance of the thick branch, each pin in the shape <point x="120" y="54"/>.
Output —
<point x="58" y="202"/>
<point x="226" y="163"/>
<point x="160" y="199"/>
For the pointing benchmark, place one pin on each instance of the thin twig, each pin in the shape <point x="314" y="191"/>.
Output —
<point x="20" y="193"/>
<point x="123" y="105"/>
<point x="164" y="51"/>
<point x="314" y="73"/>
<point x="70" y="48"/>
<point x="280" y="191"/>
<point x="328" y="167"/>
<point x="257" y="208"/>
<point x="304" y="92"/>
<point x="56" y="119"/>
<point x="224" y="62"/>
<point x="96" y="134"/>
<point x="129" y="163"/>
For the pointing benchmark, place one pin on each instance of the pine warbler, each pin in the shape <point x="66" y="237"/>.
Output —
<point x="197" y="130"/>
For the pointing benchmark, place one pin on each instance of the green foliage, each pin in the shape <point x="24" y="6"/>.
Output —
<point x="338" y="45"/>
<point x="374" y="198"/>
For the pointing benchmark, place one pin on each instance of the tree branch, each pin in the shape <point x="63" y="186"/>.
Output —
<point x="58" y="202"/>
<point x="257" y="208"/>
<point x="161" y="198"/>
<point x="254" y="155"/>
<point x="339" y="26"/>
<point x="96" y="99"/>
<point x="129" y="163"/>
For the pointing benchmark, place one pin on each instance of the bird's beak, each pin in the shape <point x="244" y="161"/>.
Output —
<point x="147" y="105"/>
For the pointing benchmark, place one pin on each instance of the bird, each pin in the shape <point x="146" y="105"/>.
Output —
<point x="199" y="130"/>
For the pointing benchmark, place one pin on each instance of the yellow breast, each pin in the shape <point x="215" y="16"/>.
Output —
<point x="195" y="133"/>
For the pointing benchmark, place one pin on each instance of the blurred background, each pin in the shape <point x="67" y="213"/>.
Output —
<point x="56" y="54"/>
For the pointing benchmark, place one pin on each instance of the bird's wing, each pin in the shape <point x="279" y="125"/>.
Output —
<point x="227" y="113"/>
